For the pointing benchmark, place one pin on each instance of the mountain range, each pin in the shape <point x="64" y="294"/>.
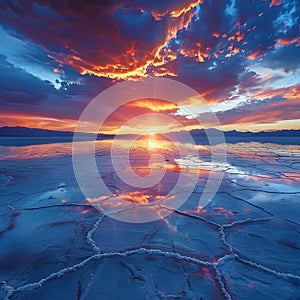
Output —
<point x="19" y="131"/>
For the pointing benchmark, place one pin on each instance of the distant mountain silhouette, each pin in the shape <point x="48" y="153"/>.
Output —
<point x="234" y="133"/>
<point x="282" y="137"/>
<point x="199" y="135"/>
<point x="19" y="131"/>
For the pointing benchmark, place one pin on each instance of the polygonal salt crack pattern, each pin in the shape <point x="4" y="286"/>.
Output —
<point x="241" y="246"/>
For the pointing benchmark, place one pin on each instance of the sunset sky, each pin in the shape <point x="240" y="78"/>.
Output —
<point x="242" y="56"/>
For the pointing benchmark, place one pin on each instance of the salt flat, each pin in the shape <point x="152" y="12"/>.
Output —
<point x="245" y="244"/>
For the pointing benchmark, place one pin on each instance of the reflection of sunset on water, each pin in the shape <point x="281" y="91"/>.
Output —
<point x="140" y="155"/>
<point x="239" y="219"/>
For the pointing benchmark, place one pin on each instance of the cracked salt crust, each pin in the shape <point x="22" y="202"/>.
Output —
<point x="242" y="245"/>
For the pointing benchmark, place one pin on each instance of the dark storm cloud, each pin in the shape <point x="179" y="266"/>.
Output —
<point x="20" y="87"/>
<point x="212" y="18"/>
<point x="22" y="92"/>
<point x="287" y="58"/>
<point x="215" y="83"/>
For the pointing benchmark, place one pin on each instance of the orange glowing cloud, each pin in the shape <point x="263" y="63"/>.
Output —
<point x="275" y="3"/>
<point x="286" y="42"/>
<point x="155" y="105"/>
<point x="57" y="70"/>
<point x="239" y="36"/>
<point x="36" y="121"/>
<point x="273" y="113"/>
<point x="190" y="6"/>
<point x="287" y="93"/>
<point x="254" y="55"/>
<point x="125" y="65"/>
<point x="233" y="52"/>
<point x="259" y="118"/>
<point x="200" y="55"/>
<point x="157" y="16"/>
<point x="146" y="106"/>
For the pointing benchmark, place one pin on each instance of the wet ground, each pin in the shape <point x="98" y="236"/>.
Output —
<point x="244" y="244"/>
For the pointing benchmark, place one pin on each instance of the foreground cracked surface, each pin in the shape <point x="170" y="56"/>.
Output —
<point x="244" y="244"/>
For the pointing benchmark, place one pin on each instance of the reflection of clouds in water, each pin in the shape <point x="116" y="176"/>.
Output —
<point x="251" y="154"/>
<point x="260" y="178"/>
<point x="197" y="163"/>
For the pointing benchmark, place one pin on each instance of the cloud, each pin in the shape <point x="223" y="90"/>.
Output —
<point x="270" y="110"/>
<point x="108" y="39"/>
<point x="286" y="57"/>
<point x="18" y="86"/>
<point x="23" y="93"/>
<point x="232" y="52"/>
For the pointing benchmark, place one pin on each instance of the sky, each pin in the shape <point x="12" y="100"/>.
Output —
<point x="242" y="56"/>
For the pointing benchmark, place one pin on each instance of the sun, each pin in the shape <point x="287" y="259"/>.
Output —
<point x="151" y="141"/>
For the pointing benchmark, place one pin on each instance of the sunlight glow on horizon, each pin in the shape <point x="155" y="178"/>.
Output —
<point x="42" y="122"/>
<point x="152" y="140"/>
